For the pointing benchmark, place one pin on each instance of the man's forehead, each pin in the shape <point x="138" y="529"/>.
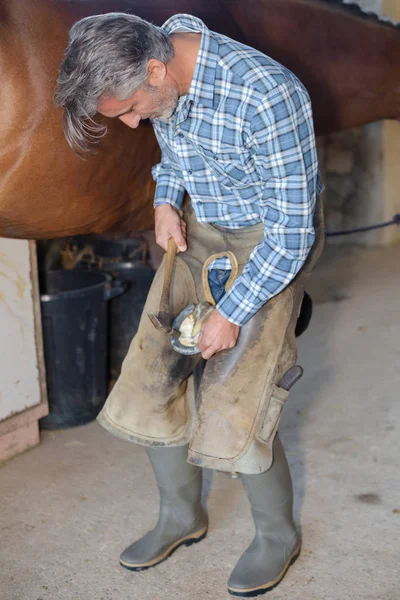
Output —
<point x="113" y="106"/>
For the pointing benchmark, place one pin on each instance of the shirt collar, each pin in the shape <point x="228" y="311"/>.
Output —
<point x="201" y="90"/>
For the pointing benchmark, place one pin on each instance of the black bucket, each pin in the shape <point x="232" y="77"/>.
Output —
<point x="74" y="317"/>
<point x="126" y="310"/>
<point x="126" y="260"/>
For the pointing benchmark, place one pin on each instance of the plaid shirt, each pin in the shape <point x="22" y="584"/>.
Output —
<point x="241" y="143"/>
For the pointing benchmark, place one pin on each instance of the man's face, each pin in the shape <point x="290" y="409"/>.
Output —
<point x="147" y="103"/>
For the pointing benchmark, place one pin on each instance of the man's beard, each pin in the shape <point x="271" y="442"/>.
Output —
<point x="167" y="100"/>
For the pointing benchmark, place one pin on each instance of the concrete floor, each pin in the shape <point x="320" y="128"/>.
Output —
<point x="70" y="506"/>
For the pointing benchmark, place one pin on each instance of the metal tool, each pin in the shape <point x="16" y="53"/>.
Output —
<point x="175" y="343"/>
<point x="163" y="319"/>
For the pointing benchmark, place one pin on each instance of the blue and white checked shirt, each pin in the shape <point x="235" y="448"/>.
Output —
<point x="241" y="143"/>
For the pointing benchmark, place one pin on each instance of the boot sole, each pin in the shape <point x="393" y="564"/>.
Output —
<point x="267" y="587"/>
<point x="188" y="541"/>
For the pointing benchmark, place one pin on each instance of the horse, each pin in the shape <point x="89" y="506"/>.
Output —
<point x="348" y="60"/>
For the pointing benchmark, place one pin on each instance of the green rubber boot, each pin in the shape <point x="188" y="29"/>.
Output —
<point x="276" y="544"/>
<point x="182" y="519"/>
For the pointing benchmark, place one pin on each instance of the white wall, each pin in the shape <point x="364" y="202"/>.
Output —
<point x="19" y="375"/>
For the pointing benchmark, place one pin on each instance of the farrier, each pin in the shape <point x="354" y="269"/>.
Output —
<point x="238" y="158"/>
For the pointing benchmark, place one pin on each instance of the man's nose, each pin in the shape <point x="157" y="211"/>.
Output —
<point x="131" y="120"/>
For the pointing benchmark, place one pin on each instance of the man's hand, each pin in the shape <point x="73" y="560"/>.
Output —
<point x="217" y="334"/>
<point x="169" y="224"/>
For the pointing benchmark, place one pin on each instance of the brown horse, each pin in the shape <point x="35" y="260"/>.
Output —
<point x="349" y="62"/>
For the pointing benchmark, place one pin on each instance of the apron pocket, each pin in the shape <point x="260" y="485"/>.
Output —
<point x="273" y="414"/>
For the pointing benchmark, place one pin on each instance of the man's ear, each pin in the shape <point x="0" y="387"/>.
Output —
<point x="157" y="72"/>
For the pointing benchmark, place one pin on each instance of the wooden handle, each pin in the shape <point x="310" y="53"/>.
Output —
<point x="169" y="263"/>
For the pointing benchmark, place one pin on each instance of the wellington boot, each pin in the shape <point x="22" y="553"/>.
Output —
<point x="182" y="519"/>
<point x="276" y="544"/>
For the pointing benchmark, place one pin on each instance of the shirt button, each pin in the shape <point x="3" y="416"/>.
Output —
<point x="181" y="135"/>
<point x="189" y="172"/>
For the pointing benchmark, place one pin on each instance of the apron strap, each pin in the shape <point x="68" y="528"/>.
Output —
<point x="232" y="276"/>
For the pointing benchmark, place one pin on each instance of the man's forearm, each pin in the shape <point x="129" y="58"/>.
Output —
<point x="269" y="270"/>
<point x="168" y="223"/>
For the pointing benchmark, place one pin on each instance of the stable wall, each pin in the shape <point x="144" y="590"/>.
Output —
<point x="360" y="169"/>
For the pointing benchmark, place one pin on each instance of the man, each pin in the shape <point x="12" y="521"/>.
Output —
<point x="238" y="155"/>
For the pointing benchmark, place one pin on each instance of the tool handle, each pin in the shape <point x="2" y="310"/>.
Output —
<point x="169" y="263"/>
<point x="291" y="377"/>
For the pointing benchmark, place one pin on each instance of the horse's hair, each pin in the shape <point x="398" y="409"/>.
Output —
<point x="357" y="11"/>
<point x="107" y="55"/>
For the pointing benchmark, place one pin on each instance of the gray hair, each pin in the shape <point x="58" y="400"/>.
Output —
<point x="107" y="55"/>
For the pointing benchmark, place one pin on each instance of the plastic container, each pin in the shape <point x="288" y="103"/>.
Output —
<point x="74" y="317"/>
<point x="125" y="259"/>
<point x="126" y="310"/>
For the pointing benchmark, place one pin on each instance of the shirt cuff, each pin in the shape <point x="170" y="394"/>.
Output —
<point x="239" y="304"/>
<point x="169" y="192"/>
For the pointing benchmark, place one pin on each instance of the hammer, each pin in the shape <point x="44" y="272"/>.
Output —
<point x="163" y="319"/>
